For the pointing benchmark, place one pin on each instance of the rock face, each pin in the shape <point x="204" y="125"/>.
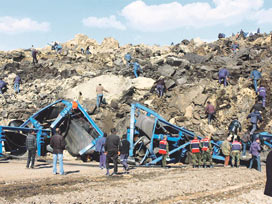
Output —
<point x="189" y="68"/>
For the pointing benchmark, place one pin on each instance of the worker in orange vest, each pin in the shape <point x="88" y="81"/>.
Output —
<point x="164" y="150"/>
<point x="206" y="148"/>
<point x="195" y="147"/>
<point x="74" y="105"/>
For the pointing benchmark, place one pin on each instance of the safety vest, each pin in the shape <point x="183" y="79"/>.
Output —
<point x="205" y="144"/>
<point x="162" y="147"/>
<point x="236" y="146"/>
<point x="195" y="146"/>
<point x="74" y="105"/>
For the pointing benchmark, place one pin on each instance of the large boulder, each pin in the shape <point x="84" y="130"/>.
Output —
<point x="166" y="70"/>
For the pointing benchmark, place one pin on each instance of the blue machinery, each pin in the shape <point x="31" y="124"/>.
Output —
<point x="147" y="144"/>
<point x="33" y="123"/>
<point x="146" y="129"/>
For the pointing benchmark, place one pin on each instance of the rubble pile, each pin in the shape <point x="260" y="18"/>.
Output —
<point x="190" y="69"/>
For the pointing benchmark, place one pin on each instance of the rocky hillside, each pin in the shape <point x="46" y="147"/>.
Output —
<point x="190" y="69"/>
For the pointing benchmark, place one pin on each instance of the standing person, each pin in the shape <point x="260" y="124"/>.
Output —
<point x="254" y="118"/>
<point x="136" y="69"/>
<point x="235" y="47"/>
<point x="268" y="185"/>
<point x="34" y="53"/>
<point x="112" y="146"/>
<point x="226" y="147"/>
<point x="164" y="150"/>
<point x="255" y="150"/>
<point x="235" y="153"/>
<point x="17" y="81"/>
<point x="195" y="150"/>
<point x="245" y="139"/>
<point x="80" y="97"/>
<point x="262" y="94"/>
<point x="99" y="91"/>
<point x="223" y="74"/>
<point x="100" y="148"/>
<point x="31" y="146"/>
<point x="124" y="151"/>
<point x="255" y="75"/>
<point x="210" y="110"/>
<point x="3" y="86"/>
<point x="58" y="144"/>
<point x="234" y="126"/>
<point x="160" y="86"/>
<point x="206" y="148"/>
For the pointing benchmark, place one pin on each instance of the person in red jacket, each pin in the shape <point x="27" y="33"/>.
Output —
<point x="195" y="150"/>
<point x="164" y="150"/>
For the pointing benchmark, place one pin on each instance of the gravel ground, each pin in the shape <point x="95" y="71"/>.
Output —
<point x="86" y="183"/>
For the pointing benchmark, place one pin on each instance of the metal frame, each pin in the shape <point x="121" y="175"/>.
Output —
<point x="181" y="137"/>
<point x="42" y="133"/>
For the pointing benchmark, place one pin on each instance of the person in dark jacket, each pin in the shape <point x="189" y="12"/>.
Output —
<point x="245" y="140"/>
<point x="17" y="81"/>
<point x="268" y="185"/>
<point x="112" y="146"/>
<point x="257" y="106"/>
<point x="58" y="144"/>
<point x="160" y="86"/>
<point x="234" y="126"/>
<point x="124" y="152"/>
<point x="100" y="147"/>
<point x="255" y="150"/>
<point x="34" y="53"/>
<point x="254" y="118"/>
<point x="210" y="110"/>
<point x="3" y="86"/>
<point x="31" y="146"/>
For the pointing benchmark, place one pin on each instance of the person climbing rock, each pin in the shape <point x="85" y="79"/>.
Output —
<point x="34" y="55"/>
<point x="234" y="126"/>
<point x="255" y="75"/>
<point x="17" y="81"/>
<point x="136" y="69"/>
<point x="210" y="110"/>
<point x="254" y="118"/>
<point x="160" y="86"/>
<point x="223" y="75"/>
<point x="99" y="91"/>
<point x="262" y="94"/>
<point x="128" y="59"/>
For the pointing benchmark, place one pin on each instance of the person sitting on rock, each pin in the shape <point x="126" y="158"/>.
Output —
<point x="255" y="75"/>
<point x="262" y="94"/>
<point x="223" y="74"/>
<point x="3" y="86"/>
<point x="17" y="81"/>
<point x="210" y="110"/>
<point x="136" y="69"/>
<point x="160" y="86"/>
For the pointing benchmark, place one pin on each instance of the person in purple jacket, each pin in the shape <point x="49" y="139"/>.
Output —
<point x="17" y="81"/>
<point x="100" y="147"/>
<point x="223" y="74"/>
<point x="255" y="150"/>
<point x="262" y="94"/>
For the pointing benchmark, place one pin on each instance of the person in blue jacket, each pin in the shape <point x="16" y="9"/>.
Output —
<point x="136" y="69"/>
<point x="100" y="148"/>
<point x="255" y="75"/>
<point x="3" y="86"/>
<point x="17" y="81"/>
<point x="128" y="59"/>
